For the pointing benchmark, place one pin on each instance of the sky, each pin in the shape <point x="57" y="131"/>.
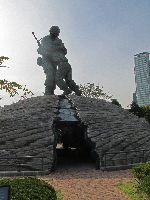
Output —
<point x="101" y="37"/>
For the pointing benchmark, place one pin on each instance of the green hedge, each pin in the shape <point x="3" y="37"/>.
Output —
<point x="144" y="185"/>
<point x="29" y="189"/>
<point x="141" y="171"/>
<point x="130" y="189"/>
<point x="142" y="174"/>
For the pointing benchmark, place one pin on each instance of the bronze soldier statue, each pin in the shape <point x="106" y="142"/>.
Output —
<point x="56" y="67"/>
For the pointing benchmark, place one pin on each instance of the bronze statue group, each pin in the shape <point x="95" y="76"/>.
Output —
<point x="55" y="64"/>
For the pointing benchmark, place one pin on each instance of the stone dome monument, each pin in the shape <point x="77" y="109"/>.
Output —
<point x="31" y="129"/>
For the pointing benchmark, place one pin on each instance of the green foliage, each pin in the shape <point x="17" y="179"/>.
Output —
<point x="141" y="111"/>
<point x="142" y="174"/>
<point x="29" y="188"/>
<point x="146" y="110"/>
<point x="59" y="195"/>
<point x="130" y="189"/>
<point x="90" y="90"/>
<point x="115" y="102"/>
<point x="12" y="87"/>
<point x="141" y="171"/>
<point x="136" y="110"/>
<point x="144" y="185"/>
<point x="2" y="59"/>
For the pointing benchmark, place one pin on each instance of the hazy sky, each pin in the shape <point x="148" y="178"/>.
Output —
<point x="101" y="37"/>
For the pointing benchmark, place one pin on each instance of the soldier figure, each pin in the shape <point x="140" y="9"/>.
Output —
<point x="53" y="54"/>
<point x="49" y="66"/>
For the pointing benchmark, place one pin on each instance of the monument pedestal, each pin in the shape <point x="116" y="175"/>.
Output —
<point x="31" y="129"/>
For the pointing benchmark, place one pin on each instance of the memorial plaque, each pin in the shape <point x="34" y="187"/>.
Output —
<point x="5" y="192"/>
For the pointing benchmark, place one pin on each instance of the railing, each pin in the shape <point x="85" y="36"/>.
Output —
<point x="18" y="163"/>
<point x="123" y="159"/>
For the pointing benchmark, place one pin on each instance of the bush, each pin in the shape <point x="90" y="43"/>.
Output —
<point x="29" y="188"/>
<point x="144" y="185"/>
<point x="130" y="189"/>
<point x="141" y="171"/>
<point x="142" y="174"/>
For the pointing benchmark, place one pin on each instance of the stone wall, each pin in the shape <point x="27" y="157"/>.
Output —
<point x="26" y="130"/>
<point x="111" y="127"/>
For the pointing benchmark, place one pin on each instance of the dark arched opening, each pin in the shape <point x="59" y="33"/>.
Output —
<point x="73" y="147"/>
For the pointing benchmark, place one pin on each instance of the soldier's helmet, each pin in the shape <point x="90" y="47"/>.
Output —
<point x="54" y="30"/>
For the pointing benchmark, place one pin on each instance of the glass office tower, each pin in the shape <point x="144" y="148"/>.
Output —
<point x="142" y="78"/>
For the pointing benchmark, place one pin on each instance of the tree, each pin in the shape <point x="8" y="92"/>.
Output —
<point x="146" y="110"/>
<point x="90" y="90"/>
<point x="135" y="109"/>
<point x="143" y="111"/>
<point x="12" y="87"/>
<point x="115" y="102"/>
<point x="2" y="59"/>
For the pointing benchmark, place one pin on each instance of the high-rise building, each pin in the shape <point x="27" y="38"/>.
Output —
<point x="142" y="78"/>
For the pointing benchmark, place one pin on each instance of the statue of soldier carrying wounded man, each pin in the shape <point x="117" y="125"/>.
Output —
<point x="56" y="67"/>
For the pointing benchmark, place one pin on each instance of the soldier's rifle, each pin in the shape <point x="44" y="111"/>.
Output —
<point x="38" y="41"/>
<point x="39" y="59"/>
<point x="3" y="66"/>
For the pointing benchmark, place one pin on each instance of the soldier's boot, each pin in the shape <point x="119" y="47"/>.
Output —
<point x="78" y="92"/>
<point x="66" y="92"/>
<point x="50" y="85"/>
<point x="49" y="91"/>
<point x="74" y="87"/>
<point x="71" y="83"/>
<point x="49" y="88"/>
<point x="63" y="86"/>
